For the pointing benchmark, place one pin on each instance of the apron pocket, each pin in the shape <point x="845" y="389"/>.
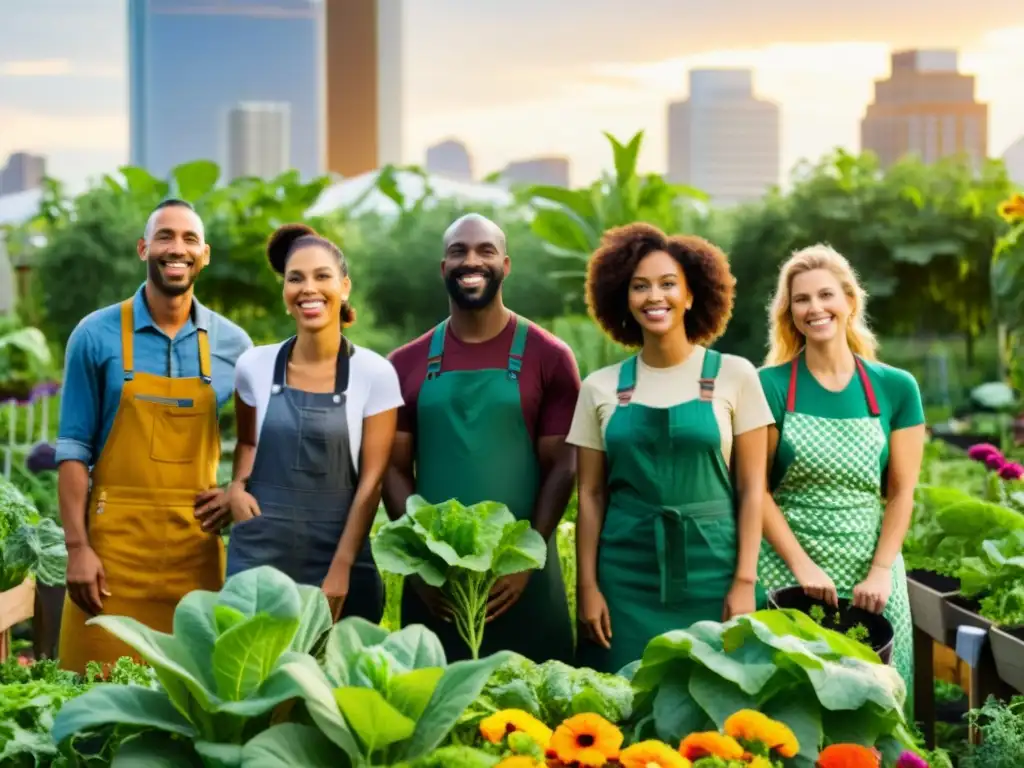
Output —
<point x="313" y="449"/>
<point x="175" y="433"/>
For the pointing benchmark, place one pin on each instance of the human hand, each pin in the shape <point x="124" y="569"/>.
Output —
<point x="873" y="593"/>
<point x="432" y="597"/>
<point x="505" y="592"/>
<point x="212" y="510"/>
<point x="817" y="583"/>
<point x="335" y="588"/>
<point x="594" y="615"/>
<point x="741" y="599"/>
<point x="86" y="580"/>
<point x="242" y="504"/>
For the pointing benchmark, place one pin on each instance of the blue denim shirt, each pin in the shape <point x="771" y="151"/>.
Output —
<point x="93" y="369"/>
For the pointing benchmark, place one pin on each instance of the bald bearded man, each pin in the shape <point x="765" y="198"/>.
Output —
<point x="489" y="398"/>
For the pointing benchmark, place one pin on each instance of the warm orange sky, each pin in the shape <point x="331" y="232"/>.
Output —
<point x="542" y="77"/>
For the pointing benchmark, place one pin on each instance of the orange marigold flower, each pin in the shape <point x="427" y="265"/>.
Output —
<point x="652" y="754"/>
<point x="848" y="756"/>
<point x="752" y="726"/>
<point x="586" y="739"/>
<point x="499" y="725"/>
<point x="519" y="761"/>
<point x="710" y="744"/>
<point x="1012" y="209"/>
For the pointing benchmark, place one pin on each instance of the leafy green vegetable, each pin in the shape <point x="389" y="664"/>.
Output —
<point x="824" y="686"/>
<point x="463" y="550"/>
<point x="997" y="572"/>
<point x="551" y="692"/>
<point x="29" y="543"/>
<point x="1002" y="735"/>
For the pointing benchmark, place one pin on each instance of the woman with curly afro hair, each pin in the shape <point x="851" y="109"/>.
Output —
<point x="316" y="418"/>
<point x="672" y="444"/>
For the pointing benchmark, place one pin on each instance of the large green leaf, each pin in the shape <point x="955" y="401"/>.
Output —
<point x="291" y="744"/>
<point x="143" y="185"/>
<point x="245" y="654"/>
<point x="562" y="229"/>
<point x="375" y="722"/>
<point x="193" y="180"/>
<point x="119" y="705"/>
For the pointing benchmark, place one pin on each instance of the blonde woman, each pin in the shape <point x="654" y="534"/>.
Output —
<point x="845" y="450"/>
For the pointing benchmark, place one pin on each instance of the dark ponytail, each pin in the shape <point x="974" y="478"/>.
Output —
<point x="289" y="238"/>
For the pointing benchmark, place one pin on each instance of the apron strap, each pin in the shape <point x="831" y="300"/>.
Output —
<point x="128" y="339"/>
<point x="627" y="380"/>
<point x="708" y="372"/>
<point x="515" y="353"/>
<point x="341" y="369"/>
<point x="205" y="366"/>
<point x="436" y="351"/>
<point x="862" y="373"/>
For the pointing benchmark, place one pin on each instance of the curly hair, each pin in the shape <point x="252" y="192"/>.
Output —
<point x="704" y="265"/>
<point x="288" y="238"/>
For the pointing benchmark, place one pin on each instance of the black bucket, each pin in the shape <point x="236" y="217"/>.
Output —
<point x="880" y="632"/>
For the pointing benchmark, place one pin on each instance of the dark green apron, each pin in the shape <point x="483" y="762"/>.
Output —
<point x="667" y="553"/>
<point x="473" y="445"/>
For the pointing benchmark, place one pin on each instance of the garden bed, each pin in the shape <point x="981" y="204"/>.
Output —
<point x="1008" y="650"/>
<point x="929" y="604"/>
<point x="966" y="612"/>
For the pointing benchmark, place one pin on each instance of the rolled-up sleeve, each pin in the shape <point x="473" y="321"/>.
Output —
<point x="80" y="400"/>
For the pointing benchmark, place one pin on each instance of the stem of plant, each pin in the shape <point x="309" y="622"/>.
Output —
<point x="469" y="593"/>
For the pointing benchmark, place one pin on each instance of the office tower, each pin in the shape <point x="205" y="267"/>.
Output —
<point x="450" y="158"/>
<point x="722" y="139"/>
<point x="364" y="85"/>
<point x="925" y="107"/>
<point x="259" y="136"/>
<point x="23" y="171"/>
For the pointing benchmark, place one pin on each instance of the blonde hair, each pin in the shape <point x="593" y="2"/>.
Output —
<point x="786" y="341"/>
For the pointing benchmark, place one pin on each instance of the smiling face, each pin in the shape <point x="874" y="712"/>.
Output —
<point x="819" y="306"/>
<point x="658" y="294"/>
<point x="314" y="288"/>
<point x="174" y="249"/>
<point x="474" y="264"/>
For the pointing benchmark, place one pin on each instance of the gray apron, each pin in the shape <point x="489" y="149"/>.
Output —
<point x="303" y="479"/>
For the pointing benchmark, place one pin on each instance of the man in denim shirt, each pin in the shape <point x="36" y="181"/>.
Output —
<point x="138" y="444"/>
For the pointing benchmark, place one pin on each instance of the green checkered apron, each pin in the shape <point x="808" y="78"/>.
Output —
<point x="830" y="496"/>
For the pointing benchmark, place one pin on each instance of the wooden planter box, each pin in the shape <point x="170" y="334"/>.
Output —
<point x="963" y="611"/>
<point x="16" y="605"/>
<point x="1008" y="650"/>
<point x="929" y="595"/>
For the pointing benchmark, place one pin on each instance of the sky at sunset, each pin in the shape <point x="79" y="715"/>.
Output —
<point x="536" y="77"/>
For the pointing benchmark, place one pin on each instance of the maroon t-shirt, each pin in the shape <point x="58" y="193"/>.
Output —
<point x="549" y="381"/>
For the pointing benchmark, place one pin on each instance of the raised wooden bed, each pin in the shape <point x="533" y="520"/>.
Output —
<point x="1008" y="650"/>
<point x="963" y="611"/>
<point x="16" y="605"/>
<point x="929" y="604"/>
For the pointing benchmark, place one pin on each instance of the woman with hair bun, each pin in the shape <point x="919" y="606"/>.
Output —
<point x="671" y="450"/>
<point x="316" y="419"/>
<point x="846" y="449"/>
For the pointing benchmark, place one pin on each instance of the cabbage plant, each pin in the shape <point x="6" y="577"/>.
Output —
<point x="463" y="550"/>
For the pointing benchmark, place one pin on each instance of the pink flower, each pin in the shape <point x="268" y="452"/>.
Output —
<point x="983" y="451"/>
<point x="911" y="760"/>
<point x="995" y="462"/>
<point x="1011" y="471"/>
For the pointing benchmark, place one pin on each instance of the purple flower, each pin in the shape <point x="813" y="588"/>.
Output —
<point x="983" y="451"/>
<point x="1011" y="471"/>
<point x="911" y="760"/>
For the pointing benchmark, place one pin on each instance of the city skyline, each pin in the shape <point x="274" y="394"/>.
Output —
<point x="539" y="91"/>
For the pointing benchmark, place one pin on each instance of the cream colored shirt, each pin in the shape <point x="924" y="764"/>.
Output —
<point x="739" y="402"/>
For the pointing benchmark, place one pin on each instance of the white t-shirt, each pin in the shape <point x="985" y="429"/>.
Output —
<point x="372" y="387"/>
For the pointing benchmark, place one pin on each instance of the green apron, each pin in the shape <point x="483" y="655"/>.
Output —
<point x="472" y="444"/>
<point x="831" y="498"/>
<point x="667" y="553"/>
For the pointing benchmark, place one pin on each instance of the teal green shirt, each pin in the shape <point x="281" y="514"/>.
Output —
<point x="899" y="400"/>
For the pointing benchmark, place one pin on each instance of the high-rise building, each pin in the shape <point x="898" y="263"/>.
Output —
<point x="259" y="137"/>
<point x="450" y="158"/>
<point x="724" y="140"/>
<point x="23" y="171"/>
<point x="550" y="171"/>
<point x="190" y="61"/>
<point x="926" y="107"/>
<point x="1013" y="158"/>
<point x="364" y="85"/>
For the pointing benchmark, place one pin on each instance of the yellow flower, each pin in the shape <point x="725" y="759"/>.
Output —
<point x="587" y="739"/>
<point x="519" y="761"/>
<point x="760" y="762"/>
<point x="1012" y="209"/>
<point x="754" y="727"/>
<point x="497" y="726"/>
<point x="710" y="744"/>
<point x="652" y="754"/>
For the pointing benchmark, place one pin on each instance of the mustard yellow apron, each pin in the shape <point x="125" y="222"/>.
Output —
<point x="163" y="448"/>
